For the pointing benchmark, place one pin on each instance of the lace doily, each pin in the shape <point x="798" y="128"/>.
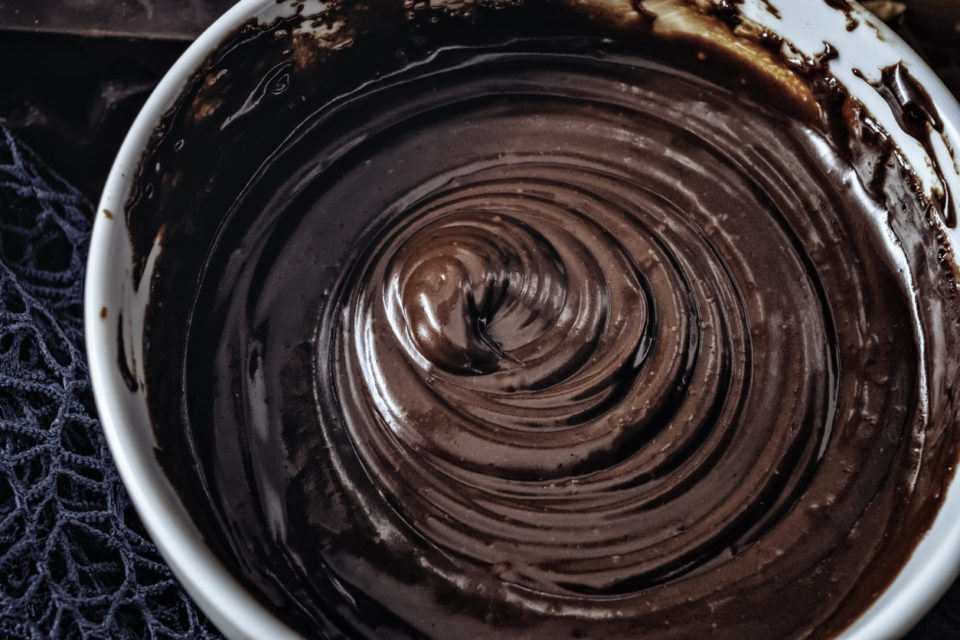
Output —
<point x="75" y="561"/>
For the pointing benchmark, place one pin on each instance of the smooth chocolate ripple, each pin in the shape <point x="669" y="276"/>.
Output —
<point x="544" y="344"/>
<point x="565" y="342"/>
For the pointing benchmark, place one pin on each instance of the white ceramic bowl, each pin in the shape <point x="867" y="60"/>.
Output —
<point x="807" y="24"/>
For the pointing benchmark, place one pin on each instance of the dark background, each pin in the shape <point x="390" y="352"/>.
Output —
<point x="74" y="73"/>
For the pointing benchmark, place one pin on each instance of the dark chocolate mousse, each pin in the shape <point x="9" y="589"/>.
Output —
<point x="516" y="323"/>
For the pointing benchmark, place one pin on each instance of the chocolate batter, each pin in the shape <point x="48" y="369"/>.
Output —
<point x="504" y="326"/>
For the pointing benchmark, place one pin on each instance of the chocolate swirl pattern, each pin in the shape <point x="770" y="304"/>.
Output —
<point x="565" y="342"/>
<point x="565" y="346"/>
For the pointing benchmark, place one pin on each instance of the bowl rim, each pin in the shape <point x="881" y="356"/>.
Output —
<point x="234" y="610"/>
<point x="221" y="596"/>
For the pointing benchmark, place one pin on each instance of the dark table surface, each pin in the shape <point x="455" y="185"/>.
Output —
<point x="75" y="72"/>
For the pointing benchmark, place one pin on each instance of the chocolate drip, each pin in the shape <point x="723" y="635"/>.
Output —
<point x="847" y="9"/>
<point x="917" y="116"/>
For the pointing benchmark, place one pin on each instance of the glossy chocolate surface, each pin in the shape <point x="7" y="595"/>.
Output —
<point x="581" y="332"/>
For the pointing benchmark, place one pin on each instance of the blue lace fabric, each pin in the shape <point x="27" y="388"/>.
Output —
<point x="75" y="561"/>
